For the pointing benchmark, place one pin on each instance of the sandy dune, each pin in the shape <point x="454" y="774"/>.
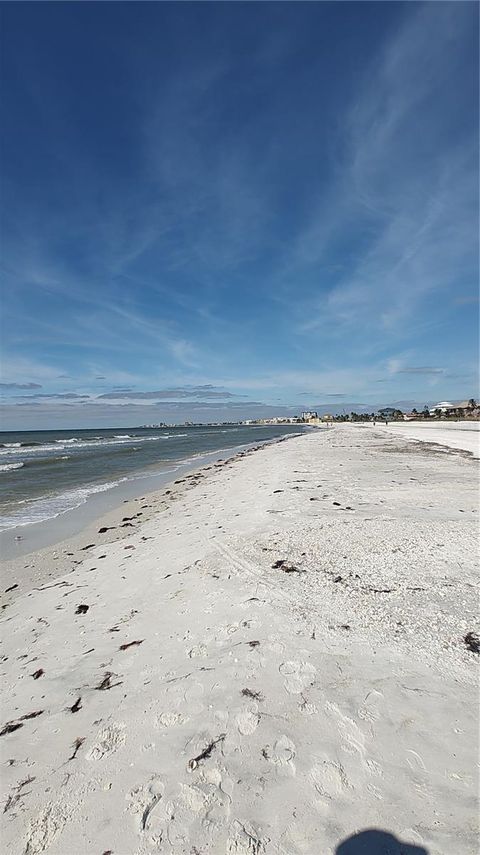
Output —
<point x="271" y="663"/>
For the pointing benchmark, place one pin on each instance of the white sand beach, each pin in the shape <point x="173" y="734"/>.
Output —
<point x="462" y="435"/>
<point x="277" y="654"/>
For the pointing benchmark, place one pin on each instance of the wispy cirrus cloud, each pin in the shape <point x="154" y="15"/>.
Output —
<point x="422" y="370"/>
<point x="20" y="386"/>
<point x="57" y="396"/>
<point x="411" y="206"/>
<point x="200" y="392"/>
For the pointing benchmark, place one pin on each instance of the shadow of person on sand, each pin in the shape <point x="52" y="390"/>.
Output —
<point x="376" y="842"/>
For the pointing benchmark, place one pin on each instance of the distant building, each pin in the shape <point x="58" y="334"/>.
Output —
<point x="460" y="409"/>
<point x="308" y="416"/>
<point x="443" y="406"/>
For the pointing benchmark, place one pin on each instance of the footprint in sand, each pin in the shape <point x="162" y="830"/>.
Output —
<point x="170" y="719"/>
<point x="247" y="720"/>
<point x="198" y="650"/>
<point x="297" y="675"/>
<point x="371" y="708"/>
<point x="353" y="738"/>
<point x="329" y="779"/>
<point x="245" y="839"/>
<point x="374" y="791"/>
<point x="45" y="827"/>
<point x="420" y="777"/>
<point x="282" y="755"/>
<point x="143" y="799"/>
<point x="110" y="739"/>
<point x="193" y="698"/>
<point x="219" y="799"/>
<point x="374" y="768"/>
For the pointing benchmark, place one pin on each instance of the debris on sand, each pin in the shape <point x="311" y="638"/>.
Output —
<point x="130" y="644"/>
<point x="10" y="727"/>
<point x="76" y="706"/>
<point x="281" y="564"/>
<point x="106" y="683"/>
<point x="76" y="745"/>
<point x="82" y="609"/>
<point x="290" y="568"/>
<point x="473" y="642"/>
<point x="12" y="800"/>
<point x="37" y="674"/>
<point x="256" y="696"/>
<point x="192" y="764"/>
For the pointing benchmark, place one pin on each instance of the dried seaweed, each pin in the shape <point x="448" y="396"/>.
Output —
<point x="473" y="642"/>
<point x="76" y="745"/>
<point x="130" y="644"/>
<point x="82" y="609"/>
<point x="10" y="727"/>
<point x="76" y="706"/>
<point x="106" y="683"/>
<point x="249" y="693"/>
<point x="192" y="764"/>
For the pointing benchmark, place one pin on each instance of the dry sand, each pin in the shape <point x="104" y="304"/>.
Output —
<point x="462" y="435"/>
<point x="272" y="661"/>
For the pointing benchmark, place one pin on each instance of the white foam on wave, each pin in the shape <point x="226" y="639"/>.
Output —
<point x="6" y="467"/>
<point x="60" y="444"/>
<point x="49" y="507"/>
<point x="18" y="448"/>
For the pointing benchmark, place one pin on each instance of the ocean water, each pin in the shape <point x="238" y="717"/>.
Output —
<point x="46" y="473"/>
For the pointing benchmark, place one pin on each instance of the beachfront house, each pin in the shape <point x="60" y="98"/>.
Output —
<point x="442" y="406"/>
<point x="387" y="413"/>
<point x="458" y="409"/>
<point x="311" y="418"/>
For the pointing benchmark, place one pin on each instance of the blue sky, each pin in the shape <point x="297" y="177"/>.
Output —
<point x="224" y="210"/>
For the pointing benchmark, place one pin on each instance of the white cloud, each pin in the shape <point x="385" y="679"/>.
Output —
<point x="403" y="187"/>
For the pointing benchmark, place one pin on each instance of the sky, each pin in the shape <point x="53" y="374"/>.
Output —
<point x="217" y="211"/>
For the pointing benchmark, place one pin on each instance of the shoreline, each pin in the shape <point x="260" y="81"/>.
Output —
<point x="22" y="540"/>
<point x="276" y="658"/>
<point x="21" y="569"/>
